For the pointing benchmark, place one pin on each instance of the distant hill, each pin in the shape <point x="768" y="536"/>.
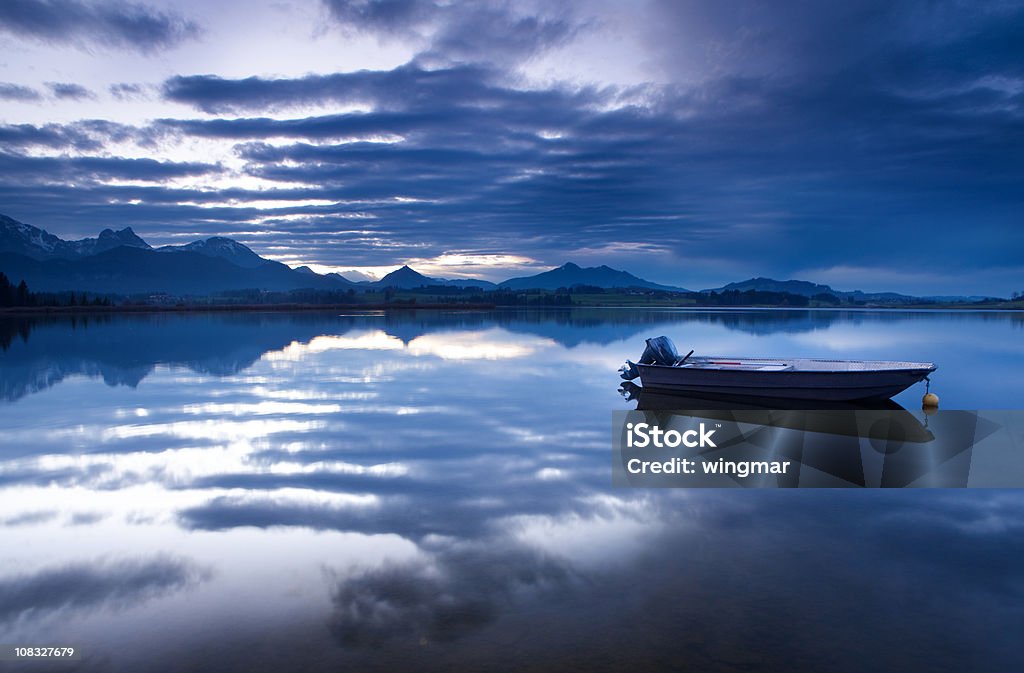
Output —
<point x="127" y="270"/>
<point x="405" y="278"/>
<point x="24" y="239"/>
<point x="224" y="248"/>
<point x="408" y="278"/>
<point x="122" y="263"/>
<point x="358" y="276"/>
<point x="809" y="289"/>
<point x="470" y="282"/>
<point x="571" y="275"/>
<point x="801" y="287"/>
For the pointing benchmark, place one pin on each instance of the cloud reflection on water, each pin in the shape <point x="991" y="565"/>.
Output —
<point x="454" y="589"/>
<point x="94" y="584"/>
<point x="473" y="451"/>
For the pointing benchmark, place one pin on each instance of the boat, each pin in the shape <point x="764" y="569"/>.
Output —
<point x="661" y="368"/>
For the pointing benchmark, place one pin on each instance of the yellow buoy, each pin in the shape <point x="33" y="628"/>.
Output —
<point x="930" y="400"/>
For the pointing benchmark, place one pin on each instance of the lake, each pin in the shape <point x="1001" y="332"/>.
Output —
<point x="432" y="491"/>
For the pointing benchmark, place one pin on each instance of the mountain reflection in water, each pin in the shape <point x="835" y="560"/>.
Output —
<point x="432" y="491"/>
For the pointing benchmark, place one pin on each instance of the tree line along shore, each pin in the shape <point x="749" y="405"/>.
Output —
<point x="19" y="298"/>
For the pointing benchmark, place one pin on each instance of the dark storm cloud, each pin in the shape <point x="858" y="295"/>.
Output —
<point x="468" y="141"/>
<point x="489" y="32"/>
<point x="313" y="128"/>
<point x="160" y="209"/>
<point x="85" y="135"/>
<point x="47" y="135"/>
<point x="919" y="40"/>
<point x="407" y="87"/>
<point x="777" y="154"/>
<point x="113" y="24"/>
<point x="77" y="586"/>
<point x="17" y="92"/>
<point x="69" y="91"/>
<point x="383" y="15"/>
<point x="785" y="138"/>
<point x="30" y="169"/>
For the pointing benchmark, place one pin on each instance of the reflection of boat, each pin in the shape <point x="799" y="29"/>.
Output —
<point x="829" y="444"/>
<point x="654" y="399"/>
<point x="660" y="367"/>
<point x="832" y="418"/>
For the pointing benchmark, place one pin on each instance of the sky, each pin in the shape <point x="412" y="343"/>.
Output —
<point x="867" y="144"/>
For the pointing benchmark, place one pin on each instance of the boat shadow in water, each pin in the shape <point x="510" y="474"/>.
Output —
<point x="877" y="444"/>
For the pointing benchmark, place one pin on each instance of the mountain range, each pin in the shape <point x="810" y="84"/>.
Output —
<point x="569" y="275"/>
<point x="121" y="262"/>
<point x="406" y="278"/>
<point x="24" y="239"/>
<point x="809" y="289"/>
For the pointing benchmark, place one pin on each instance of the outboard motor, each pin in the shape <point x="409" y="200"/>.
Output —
<point x="659" y="351"/>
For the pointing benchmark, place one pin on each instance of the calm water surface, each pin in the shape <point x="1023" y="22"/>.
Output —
<point x="431" y="491"/>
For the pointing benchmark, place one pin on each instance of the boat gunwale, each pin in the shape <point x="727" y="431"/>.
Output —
<point x="793" y="368"/>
